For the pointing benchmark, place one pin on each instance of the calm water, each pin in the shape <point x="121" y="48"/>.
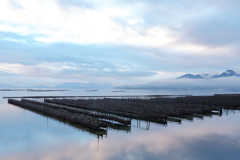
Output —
<point x="26" y="135"/>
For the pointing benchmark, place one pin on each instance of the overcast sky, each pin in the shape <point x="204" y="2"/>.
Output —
<point x="116" y="41"/>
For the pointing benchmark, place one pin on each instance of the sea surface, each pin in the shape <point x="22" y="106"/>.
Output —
<point x="25" y="135"/>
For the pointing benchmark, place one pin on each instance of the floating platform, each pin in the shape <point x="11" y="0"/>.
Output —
<point x="114" y="111"/>
<point x="82" y="120"/>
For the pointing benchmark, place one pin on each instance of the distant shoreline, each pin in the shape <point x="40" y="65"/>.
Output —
<point x="12" y="89"/>
<point x="119" y="91"/>
<point x="45" y="90"/>
<point x="91" y="90"/>
<point x="34" y="90"/>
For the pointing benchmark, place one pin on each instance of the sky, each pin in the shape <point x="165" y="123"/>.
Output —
<point x="116" y="41"/>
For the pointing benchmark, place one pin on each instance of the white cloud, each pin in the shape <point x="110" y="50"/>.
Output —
<point x="66" y="70"/>
<point x="78" y="25"/>
<point x="53" y="23"/>
<point x="135" y="21"/>
<point x="43" y="69"/>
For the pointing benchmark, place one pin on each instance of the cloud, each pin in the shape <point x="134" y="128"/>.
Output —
<point x="82" y="26"/>
<point x="76" y="3"/>
<point x="148" y="36"/>
<point x="226" y="83"/>
<point x="113" y="61"/>
<point x="159" y="23"/>
<point x="220" y="27"/>
<point x="15" y="4"/>
<point x="74" y="70"/>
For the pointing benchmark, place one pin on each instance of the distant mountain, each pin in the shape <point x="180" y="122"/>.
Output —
<point x="190" y="76"/>
<point x="133" y="87"/>
<point x="91" y="85"/>
<point x="228" y="73"/>
<point x="39" y="86"/>
<point x="206" y="81"/>
<point x="175" y="85"/>
<point x="5" y="85"/>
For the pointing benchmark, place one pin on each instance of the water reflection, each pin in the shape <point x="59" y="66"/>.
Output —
<point x="187" y="141"/>
<point x="27" y="135"/>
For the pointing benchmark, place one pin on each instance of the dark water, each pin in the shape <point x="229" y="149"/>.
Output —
<point x="26" y="135"/>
